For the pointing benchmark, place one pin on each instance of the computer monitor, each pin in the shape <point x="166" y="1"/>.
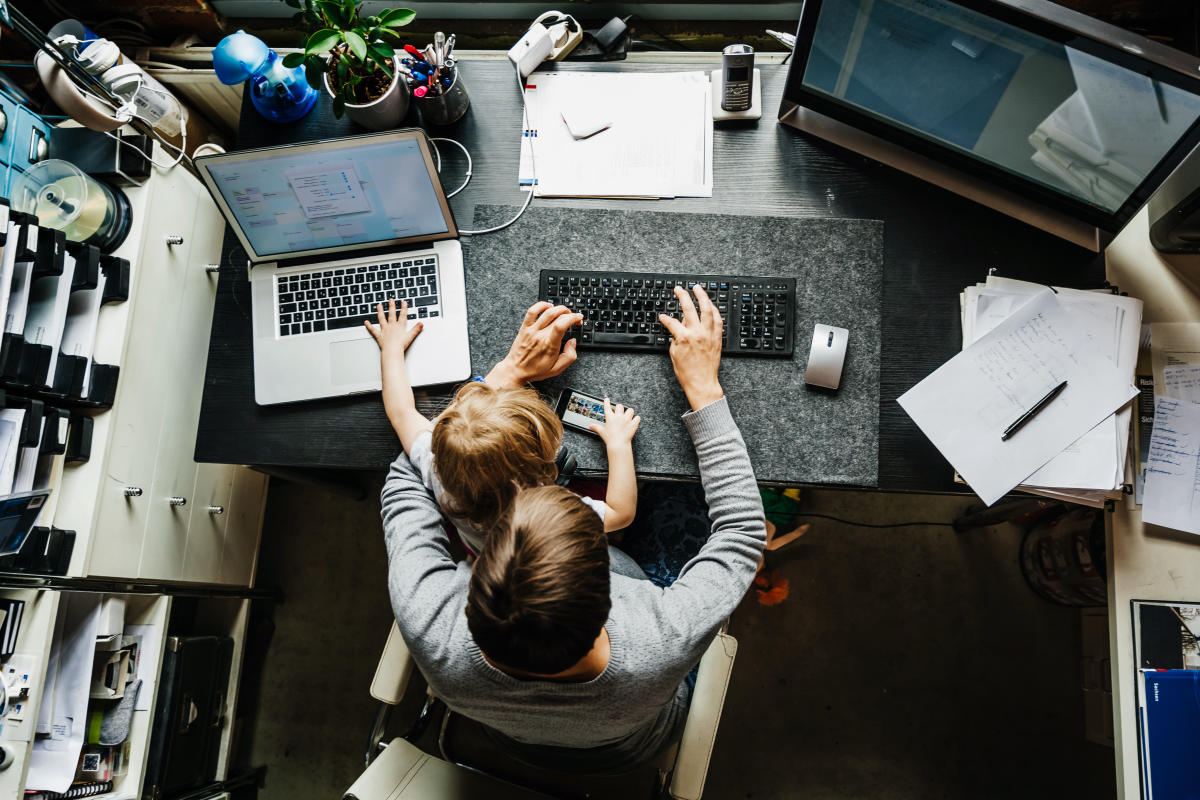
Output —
<point x="1040" y="112"/>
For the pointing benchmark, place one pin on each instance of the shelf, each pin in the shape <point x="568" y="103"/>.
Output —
<point x="33" y="644"/>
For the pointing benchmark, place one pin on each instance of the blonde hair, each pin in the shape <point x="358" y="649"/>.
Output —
<point x="488" y="445"/>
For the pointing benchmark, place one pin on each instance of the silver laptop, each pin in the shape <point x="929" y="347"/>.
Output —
<point x="333" y="228"/>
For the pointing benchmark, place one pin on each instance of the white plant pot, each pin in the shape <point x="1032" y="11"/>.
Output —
<point x="386" y="112"/>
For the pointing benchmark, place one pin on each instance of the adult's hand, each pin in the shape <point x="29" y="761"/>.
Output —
<point x="696" y="347"/>
<point x="537" y="353"/>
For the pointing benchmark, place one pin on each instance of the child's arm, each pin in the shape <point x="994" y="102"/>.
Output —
<point x="620" y="424"/>
<point x="394" y="336"/>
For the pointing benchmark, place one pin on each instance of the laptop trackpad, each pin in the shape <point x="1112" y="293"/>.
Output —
<point x="354" y="361"/>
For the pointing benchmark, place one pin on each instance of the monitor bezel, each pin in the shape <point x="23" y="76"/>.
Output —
<point x="203" y="163"/>
<point x="1048" y="21"/>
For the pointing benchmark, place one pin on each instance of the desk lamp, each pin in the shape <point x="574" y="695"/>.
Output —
<point x="278" y="93"/>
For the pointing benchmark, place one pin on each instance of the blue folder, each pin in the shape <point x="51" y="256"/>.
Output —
<point x="1170" y="733"/>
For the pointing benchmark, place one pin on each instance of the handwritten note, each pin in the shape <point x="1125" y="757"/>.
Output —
<point x="1182" y="381"/>
<point x="966" y="404"/>
<point x="1172" y="496"/>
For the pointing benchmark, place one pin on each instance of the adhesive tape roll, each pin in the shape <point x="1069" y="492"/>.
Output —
<point x="83" y="108"/>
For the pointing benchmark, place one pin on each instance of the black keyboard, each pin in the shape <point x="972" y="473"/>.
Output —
<point x="620" y="309"/>
<point x="342" y="297"/>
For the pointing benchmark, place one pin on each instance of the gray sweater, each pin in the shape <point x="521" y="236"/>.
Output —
<point x="638" y="704"/>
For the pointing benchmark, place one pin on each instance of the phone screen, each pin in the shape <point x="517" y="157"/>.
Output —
<point x="582" y="411"/>
<point x="737" y="74"/>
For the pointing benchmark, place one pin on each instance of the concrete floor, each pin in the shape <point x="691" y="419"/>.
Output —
<point x="906" y="663"/>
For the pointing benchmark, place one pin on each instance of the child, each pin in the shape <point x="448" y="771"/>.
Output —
<point x="489" y="443"/>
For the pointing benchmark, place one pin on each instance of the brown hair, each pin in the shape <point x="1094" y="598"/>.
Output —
<point x="488" y="444"/>
<point x="539" y="590"/>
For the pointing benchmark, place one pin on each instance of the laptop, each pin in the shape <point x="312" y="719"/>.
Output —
<point x="331" y="229"/>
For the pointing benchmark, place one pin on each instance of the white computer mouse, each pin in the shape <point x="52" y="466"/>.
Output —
<point x="826" y="356"/>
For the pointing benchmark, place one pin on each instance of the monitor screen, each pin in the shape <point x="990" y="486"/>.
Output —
<point x="295" y="200"/>
<point x="1045" y="111"/>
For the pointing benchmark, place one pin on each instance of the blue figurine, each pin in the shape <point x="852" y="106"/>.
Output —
<point x="278" y="93"/>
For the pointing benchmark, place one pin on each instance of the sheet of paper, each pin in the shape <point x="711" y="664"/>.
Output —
<point x="1182" y="381"/>
<point x="10" y="433"/>
<point x="1095" y="462"/>
<point x="79" y="330"/>
<point x="48" y="301"/>
<point x="27" y="462"/>
<point x="1172" y="495"/>
<point x="147" y="657"/>
<point x="18" y="298"/>
<point x="659" y="143"/>
<point x="53" y="758"/>
<point x="1172" y="344"/>
<point x="967" y="403"/>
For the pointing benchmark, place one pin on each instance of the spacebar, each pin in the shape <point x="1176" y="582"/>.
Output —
<point x="622" y="338"/>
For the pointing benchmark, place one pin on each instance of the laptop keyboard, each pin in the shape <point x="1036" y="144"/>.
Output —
<point x="328" y="299"/>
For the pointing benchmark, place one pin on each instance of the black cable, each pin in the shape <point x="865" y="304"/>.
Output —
<point x="870" y="524"/>
<point x="657" y="32"/>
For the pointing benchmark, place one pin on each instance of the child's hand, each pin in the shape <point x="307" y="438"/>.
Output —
<point x="392" y="333"/>
<point x="620" y="424"/>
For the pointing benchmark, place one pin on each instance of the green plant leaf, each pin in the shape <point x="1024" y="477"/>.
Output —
<point x="390" y="32"/>
<point x="321" y="41"/>
<point x="381" y="52"/>
<point x="343" y="69"/>
<point x="293" y="60"/>
<point x="335" y="12"/>
<point x="314" y="71"/>
<point x="397" y="17"/>
<point x="339" y="106"/>
<point x="357" y="44"/>
<point x="383" y="66"/>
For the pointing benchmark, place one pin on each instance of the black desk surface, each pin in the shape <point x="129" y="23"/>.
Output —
<point x="935" y="244"/>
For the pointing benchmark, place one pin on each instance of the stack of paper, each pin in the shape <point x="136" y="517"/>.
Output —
<point x="658" y="142"/>
<point x="1020" y="340"/>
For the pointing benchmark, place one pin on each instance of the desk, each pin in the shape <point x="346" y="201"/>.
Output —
<point x="935" y="244"/>
<point x="1145" y="563"/>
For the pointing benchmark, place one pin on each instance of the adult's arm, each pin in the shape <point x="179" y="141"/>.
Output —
<point x="421" y="573"/>
<point x="537" y="352"/>
<point x="712" y="584"/>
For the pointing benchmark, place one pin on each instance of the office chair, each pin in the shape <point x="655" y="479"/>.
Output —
<point x="398" y="770"/>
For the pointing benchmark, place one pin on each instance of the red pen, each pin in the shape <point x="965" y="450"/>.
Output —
<point x="414" y="52"/>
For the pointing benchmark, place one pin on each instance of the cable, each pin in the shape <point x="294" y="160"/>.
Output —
<point x="532" y="164"/>
<point x="466" y="153"/>
<point x="128" y="108"/>
<point x="870" y="524"/>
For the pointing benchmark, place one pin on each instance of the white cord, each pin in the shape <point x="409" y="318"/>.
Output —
<point x="466" y="153"/>
<point x="532" y="163"/>
<point x="128" y="109"/>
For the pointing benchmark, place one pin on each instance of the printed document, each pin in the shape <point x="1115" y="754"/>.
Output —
<point x="967" y="403"/>
<point x="1172" y="495"/>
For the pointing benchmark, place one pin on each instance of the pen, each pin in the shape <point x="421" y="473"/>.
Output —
<point x="1031" y="413"/>
<point x="449" y="45"/>
<point x="439" y="46"/>
<point x="414" y="52"/>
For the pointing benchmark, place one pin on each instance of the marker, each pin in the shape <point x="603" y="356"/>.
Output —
<point x="414" y="52"/>
<point x="420" y="91"/>
<point x="1031" y="413"/>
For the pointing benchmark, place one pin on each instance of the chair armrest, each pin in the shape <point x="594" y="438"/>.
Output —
<point x="394" y="669"/>
<point x="700" y="730"/>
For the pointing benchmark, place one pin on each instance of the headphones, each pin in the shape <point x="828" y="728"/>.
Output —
<point x="566" y="465"/>
<point x="83" y="108"/>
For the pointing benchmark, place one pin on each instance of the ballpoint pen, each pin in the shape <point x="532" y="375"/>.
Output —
<point x="449" y="45"/>
<point x="1031" y="413"/>
<point x="439" y="46"/>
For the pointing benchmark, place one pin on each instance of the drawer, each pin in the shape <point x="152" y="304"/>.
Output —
<point x="244" y="526"/>
<point x="206" y="528"/>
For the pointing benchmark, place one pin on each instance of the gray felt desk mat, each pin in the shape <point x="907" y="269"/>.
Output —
<point x="794" y="434"/>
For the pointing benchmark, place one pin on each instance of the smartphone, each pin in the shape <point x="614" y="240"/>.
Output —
<point x="737" y="73"/>
<point x="578" y="410"/>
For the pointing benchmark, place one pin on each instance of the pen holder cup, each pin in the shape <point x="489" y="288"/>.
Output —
<point x="449" y="106"/>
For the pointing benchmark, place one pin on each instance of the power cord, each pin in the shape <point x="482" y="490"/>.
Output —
<point x="466" y="153"/>
<point x="871" y="524"/>
<point x="532" y="164"/>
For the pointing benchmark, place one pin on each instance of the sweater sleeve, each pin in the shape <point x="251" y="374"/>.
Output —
<point x="421" y="572"/>
<point x="712" y="583"/>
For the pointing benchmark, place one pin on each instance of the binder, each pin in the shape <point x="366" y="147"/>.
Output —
<point x="48" y="255"/>
<point x="31" y="426"/>
<point x="87" y="265"/>
<point x="195" y="672"/>
<point x="116" y="275"/>
<point x="10" y="628"/>
<point x="102" y="389"/>
<point x="54" y="433"/>
<point x="69" y="375"/>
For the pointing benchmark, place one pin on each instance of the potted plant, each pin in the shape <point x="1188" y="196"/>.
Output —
<point x="353" y="58"/>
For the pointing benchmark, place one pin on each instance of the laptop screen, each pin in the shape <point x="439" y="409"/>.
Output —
<point x="329" y="197"/>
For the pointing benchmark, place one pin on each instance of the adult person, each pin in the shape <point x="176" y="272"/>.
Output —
<point x="558" y="645"/>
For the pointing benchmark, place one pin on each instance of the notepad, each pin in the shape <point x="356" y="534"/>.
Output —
<point x="966" y="404"/>
<point x="1172" y="494"/>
